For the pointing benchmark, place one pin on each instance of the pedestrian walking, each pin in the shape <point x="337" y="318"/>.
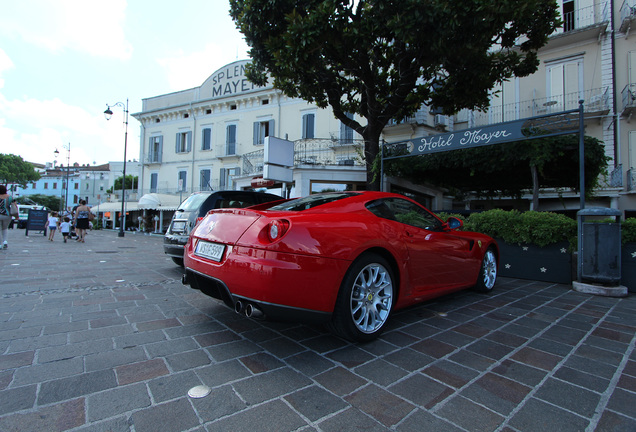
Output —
<point x="65" y="228"/>
<point x="5" y="216"/>
<point x="82" y="214"/>
<point x="53" y="222"/>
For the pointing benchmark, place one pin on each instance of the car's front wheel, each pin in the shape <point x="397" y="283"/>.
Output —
<point x="488" y="272"/>
<point x="365" y="299"/>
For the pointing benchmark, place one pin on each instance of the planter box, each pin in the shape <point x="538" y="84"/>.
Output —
<point x="552" y="263"/>
<point x="628" y="266"/>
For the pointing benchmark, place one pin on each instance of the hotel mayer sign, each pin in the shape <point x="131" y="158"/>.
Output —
<point x="500" y="133"/>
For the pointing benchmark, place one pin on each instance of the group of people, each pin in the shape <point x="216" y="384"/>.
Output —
<point x="81" y="222"/>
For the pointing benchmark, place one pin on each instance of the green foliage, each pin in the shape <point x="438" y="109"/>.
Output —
<point x="504" y="169"/>
<point x="532" y="227"/>
<point x="628" y="230"/>
<point x="13" y="169"/>
<point x="131" y="183"/>
<point x="382" y="60"/>
<point x="50" y="201"/>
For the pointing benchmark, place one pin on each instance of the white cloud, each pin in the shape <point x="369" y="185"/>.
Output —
<point x="5" y="64"/>
<point x="85" y="26"/>
<point x="35" y="129"/>
<point x="185" y="71"/>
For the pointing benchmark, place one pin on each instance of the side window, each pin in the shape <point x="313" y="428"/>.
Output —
<point x="405" y="212"/>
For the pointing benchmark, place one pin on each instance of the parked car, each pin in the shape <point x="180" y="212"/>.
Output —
<point x="348" y="259"/>
<point x="194" y="208"/>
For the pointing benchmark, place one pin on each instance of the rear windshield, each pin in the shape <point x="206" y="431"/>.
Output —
<point x="310" y="201"/>
<point x="193" y="202"/>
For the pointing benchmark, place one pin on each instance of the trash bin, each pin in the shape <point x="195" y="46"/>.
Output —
<point x="599" y="248"/>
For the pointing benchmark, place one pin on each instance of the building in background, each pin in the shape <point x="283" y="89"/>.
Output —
<point x="211" y="137"/>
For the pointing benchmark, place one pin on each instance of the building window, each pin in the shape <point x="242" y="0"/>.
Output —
<point x="262" y="129"/>
<point x="308" y="126"/>
<point x="206" y="139"/>
<point x="155" y="149"/>
<point x="182" y="181"/>
<point x="230" y="140"/>
<point x="76" y="185"/>
<point x="183" y="142"/>
<point x="205" y="180"/>
<point x="346" y="133"/>
<point x="154" y="179"/>
<point x="55" y="185"/>
<point x="225" y="178"/>
<point x="565" y="85"/>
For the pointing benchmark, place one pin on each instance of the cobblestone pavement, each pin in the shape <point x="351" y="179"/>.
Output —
<point x="102" y="336"/>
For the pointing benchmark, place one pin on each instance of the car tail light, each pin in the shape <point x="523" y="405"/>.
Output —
<point x="276" y="229"/>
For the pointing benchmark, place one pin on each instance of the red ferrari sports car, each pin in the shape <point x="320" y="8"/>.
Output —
<point x="345" y="258"/>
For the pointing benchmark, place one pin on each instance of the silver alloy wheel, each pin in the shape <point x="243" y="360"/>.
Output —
<point x="489" y="269"/>
<point x="371" y="298"/>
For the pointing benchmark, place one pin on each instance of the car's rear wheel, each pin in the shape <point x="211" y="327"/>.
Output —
<point x="365" y="299"/>
<point x="488" y="272"/>
<point x="177" y="261"/>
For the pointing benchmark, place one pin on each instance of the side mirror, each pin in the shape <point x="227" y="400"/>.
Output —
<point x="454" y="223"/>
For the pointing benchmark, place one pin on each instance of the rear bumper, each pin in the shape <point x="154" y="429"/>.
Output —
<point x="174" y="246"/>
<point x="282" y="285"/>
<point x="275" y="312"/>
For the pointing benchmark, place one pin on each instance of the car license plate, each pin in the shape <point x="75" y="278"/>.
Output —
<point x="213" y="251"/>
<point x="178" y="226"/>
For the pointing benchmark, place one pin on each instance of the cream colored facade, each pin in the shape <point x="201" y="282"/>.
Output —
<point x="211" y="137"/>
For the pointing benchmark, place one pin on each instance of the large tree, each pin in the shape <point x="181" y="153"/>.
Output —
<point x="13" y="169"/>
<point x="383" y="59"/>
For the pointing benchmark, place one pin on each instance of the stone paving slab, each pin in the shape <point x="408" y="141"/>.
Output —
<point x="102" y="336"/>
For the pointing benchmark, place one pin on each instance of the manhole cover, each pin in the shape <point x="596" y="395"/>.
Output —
<point x="199" y="391"/>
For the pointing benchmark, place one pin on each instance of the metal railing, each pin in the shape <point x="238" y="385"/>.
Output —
<point x="596" y="100"/>
<point x="628" y="96"/>
<point x="584" y="17"/>
<point x="312" y="152"/>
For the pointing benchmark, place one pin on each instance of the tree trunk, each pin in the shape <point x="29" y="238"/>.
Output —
<point x="535" y="187"/>
<point x="371" y="152"/>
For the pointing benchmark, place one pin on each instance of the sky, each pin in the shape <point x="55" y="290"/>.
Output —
<point x="62" y="62"/>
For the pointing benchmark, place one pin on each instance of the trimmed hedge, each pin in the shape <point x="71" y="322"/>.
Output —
<point x="532" y="227"/>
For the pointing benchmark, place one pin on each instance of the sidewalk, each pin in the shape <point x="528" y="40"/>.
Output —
<point x="102" y="336"/>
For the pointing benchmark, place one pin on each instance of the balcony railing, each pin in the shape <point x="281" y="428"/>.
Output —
<point x="313" y="152"/>
<point x="628" y="96"/>
<point x="595" y="101"/>
<point x="628" y="14"/>
<point x="584" y="17"/>
<point x="631" y="179"/>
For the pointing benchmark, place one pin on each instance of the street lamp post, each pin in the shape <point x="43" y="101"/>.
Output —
<point x="108" y="114"/>
<point x="68" y="167"/>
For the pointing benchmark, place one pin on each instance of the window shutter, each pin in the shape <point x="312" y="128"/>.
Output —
<point x="151" y="154"/>
<point x="271" y="128"/>
<point x="176" y="143"/>
<point x="207" y="136"/>
<point x="222" y="179"/>
<point x="160" y="147"/>
<point x="257" y="133"/>
<point x="189" y="141"/>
